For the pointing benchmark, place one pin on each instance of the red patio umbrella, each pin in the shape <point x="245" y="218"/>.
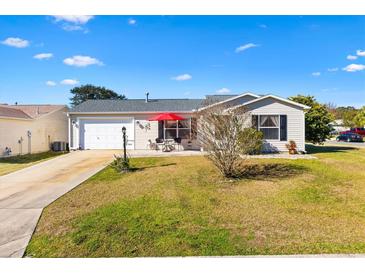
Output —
<point x="167" y="117"/>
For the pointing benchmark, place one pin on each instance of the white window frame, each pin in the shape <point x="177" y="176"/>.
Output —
<point x="177" y="128"/>
<point x="278" y="127"/>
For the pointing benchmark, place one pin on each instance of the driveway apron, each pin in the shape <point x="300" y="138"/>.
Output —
<point x="24" y="193"/>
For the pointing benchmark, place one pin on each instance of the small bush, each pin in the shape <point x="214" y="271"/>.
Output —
<point x="250" y="141"/>
<point x="120" y="164"/>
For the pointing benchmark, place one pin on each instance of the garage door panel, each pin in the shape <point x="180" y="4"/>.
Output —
<point x="106" y="134"/>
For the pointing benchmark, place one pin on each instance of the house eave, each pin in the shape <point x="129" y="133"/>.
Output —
<point x="16" y="118"/>
<point x="304" y="107"/>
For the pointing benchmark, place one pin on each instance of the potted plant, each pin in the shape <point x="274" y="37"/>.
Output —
<point x="292" y="147"/>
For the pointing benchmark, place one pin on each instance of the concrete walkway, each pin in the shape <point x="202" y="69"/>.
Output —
<point x="24" y="193"/>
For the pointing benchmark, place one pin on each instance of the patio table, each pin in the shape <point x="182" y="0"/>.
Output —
<point x="168" y="145"/>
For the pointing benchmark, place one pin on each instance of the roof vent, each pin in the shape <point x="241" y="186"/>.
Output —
<point x="147" y="94"/>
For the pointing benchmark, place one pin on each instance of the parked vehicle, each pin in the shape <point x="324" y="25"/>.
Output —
<point x="357" y="130"/>
<point x="350" y="137"/>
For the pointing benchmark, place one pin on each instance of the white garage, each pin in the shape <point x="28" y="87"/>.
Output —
<point x="106" y="133"/>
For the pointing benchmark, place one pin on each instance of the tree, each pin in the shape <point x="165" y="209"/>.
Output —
<point x="331" y="107"/>
<point x="317" y="119"/>
<point x="347" y="114"/>
<point x="86" y="92"/>
<point x="359" y="119"/>
<point x="221" y="134"/>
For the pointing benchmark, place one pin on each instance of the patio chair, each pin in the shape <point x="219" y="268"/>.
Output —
<point x="159" y="143"/>
<point x="177" y="142"/>
<point x="152" y="146"/>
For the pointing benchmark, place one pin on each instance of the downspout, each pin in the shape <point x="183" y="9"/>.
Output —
<point x="69" y="131"/>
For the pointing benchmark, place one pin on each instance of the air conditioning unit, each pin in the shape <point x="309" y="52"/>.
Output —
<point x="59" y="146"/>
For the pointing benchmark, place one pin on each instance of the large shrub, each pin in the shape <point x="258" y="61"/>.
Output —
<point x="226" y="135"/>
<point x="250" y="141"/>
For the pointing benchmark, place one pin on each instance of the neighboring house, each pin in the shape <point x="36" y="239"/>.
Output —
<point x="338" y="126"/>
<point x="31" y="128"/>
<point x="97" y="124"/>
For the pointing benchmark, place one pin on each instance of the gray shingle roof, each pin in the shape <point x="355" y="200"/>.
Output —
<point x="218" y="98"/>
<point x="139" y="105"/>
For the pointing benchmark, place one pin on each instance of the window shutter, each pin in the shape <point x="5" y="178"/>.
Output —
<point x="255" y="122"/>
<point x="283" y="128"/>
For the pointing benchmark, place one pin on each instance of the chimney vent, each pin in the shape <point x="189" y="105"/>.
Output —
<point x="147" y="94"/>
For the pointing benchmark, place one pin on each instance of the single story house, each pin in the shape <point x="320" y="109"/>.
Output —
<point x="97" y="124"/>
<point x="31" y="128"/>
<point x="338" y="126"/>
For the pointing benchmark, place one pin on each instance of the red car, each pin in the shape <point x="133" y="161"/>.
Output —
<point x="358" y="130"/>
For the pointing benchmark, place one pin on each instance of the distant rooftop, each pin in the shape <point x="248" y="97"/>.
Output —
<point x="27" y="111"/>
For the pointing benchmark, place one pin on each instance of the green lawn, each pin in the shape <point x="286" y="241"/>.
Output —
<point x="14" y="163"/>
<point x="183" y="207"/>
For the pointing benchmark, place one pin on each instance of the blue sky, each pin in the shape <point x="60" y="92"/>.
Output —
<point x="43" y="57"/>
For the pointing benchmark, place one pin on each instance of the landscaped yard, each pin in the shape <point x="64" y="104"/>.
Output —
<point x="14" y="163"/>
<point x="182" y="206"/>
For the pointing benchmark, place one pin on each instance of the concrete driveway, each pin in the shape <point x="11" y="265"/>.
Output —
<point x="24" y="193"/>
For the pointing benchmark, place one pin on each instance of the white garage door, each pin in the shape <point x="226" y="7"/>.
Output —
<point x="106" y="133"/>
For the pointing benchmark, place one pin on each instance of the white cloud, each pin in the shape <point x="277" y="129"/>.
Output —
<point x="73" y="22"/>
<point x="41" y="56"/>
<point x="51" y="83"/>
<point x="15" y="42"/>
<point x="245" y="47"/>
<point x="360" y="52"/>
<point x="132" y="21"/>
<point x="351" y="57"/>
<point x="182" y="77"/>
<point x="223" y="91"/>
<point x="68" y="27"/>
<point x="263" y="26"/>
<point x="332" y="69"/>
<point x="354" y="68"/>
<point x="82" y="61"/>
<point x="70" y="82"/>
<point x="74" y="19"/>
<point x="316" y="74"/>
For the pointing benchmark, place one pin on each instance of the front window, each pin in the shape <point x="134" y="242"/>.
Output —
<point x="269" y="125"/>
<point x="178" y="129"/>
<point x="170" y="129"/>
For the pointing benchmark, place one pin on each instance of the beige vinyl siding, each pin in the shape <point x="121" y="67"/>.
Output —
<point x="295" y="121"/>
<point x="45" y="130"/>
